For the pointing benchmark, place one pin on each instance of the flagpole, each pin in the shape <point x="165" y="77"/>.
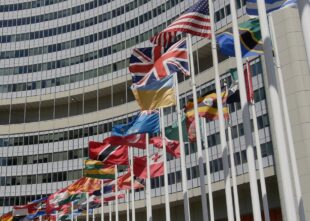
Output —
<point x="246" y="117"/>
<point x="102" y="200"/>
<point x="110" y="211"/>
<point x="127" y="193"/>
<point x="116" y="194"/>
<point x="304" y="14"/>
<point x="187" y="216"/>
<point x="148" y="181"/>
<point x="87" y="206"/>
<point x="228" y="194"/>
<point x="133" y="209"/>
<point x="72" y="208"/>
<point x="233" y="173"/>
<point x="56" y="215"/>
<point x="284" y="168"/>
<point x="93" y="214"/>
<point x="259" y="153"/>
<point x="288" y="126"/>
<point x="198" y="135"/>
<point x="167" y="203"/>
<point x="208" y="171"/>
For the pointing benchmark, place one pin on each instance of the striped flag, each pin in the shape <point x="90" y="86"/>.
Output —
<point x="195" y="21"/>
<point x="108" y="154"/>
<point x="271" y="5"/>
<point x="96" y="169"/>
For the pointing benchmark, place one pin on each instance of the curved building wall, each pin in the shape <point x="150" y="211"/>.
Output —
<point x="64" y="81"/>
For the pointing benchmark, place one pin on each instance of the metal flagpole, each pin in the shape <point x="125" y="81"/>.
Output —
<point x="198" y="134"/>
<point x="128" y="205"/>
<point x="233" y="172"/>
<point x="116" y="194"/>
<point x="72" y="208"/>
<point x="133" y="209"/>
<point x="304" y="14"/>
<point x="110" y="211"/>
<point x="204" y="124"/>
<point x="148" y="182"/>
<point x="246" y="117"/>
<point x="288" y="126"/>
<point x="93" y="210"/>
<point x="276" y="109"/>
<point x="102" y="200"/>
<point x="87" y="206"/>
<point x="167" y="203"/>
<point x="228" y="194"/>
<point x="187" y="216"/>
<point x="259" y="153"/>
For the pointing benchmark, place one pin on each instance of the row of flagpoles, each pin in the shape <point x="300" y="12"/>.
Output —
<point x="157" y="88"/>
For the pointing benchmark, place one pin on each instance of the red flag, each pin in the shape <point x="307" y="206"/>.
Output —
<point x="156" y="166"/>
<point x="111" y="198"/>
<point x="108" y="154"/>
<point x="134" y="140"/>
<point x="124" y="182"/>
<point x="172" y="146"/>
<point x="248" y="82"/>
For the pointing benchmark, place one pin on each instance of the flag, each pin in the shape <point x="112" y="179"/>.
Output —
<point x="84" y="184"/>
<point x="172" y="146"/>
<point x="142" y="61"/>
<point x="172" y="131"/>
<point x="156" y="166"/>
<point x="195" y="21"/>
<point x="156" y="94"/>
<point x="7" y="216"/>
<point x="97" y="169"/>
<point x="38" y="208"/>
<point x="174" y="60"/>
<point x="207" y="108"/>
<point x="250" y="40"/>
<point x="53" y="200"/>
<point x="144" y="122"/>
<point x="134" y="140"/>
<point x="73" y="197"/>
<point x="108" y="154"/>
<point x="124" y="182"/>
<point x="233" y="91"/>
<point x="271" y="5"/>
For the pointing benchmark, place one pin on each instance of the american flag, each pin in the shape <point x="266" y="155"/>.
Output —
<point x="174" y="60"/>
<point x="142" y="61"/>
<point x="195" y="21"/>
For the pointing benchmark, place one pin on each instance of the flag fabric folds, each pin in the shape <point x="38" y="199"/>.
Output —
<point x="144" y="122"/>
<point x="174" y="60"/>
<point x="124" y="182"/>
<point x="134" y="140"/>
<point x="172" y="146"/>
<point x="155" y="94"/>
<point x="97" y="169"/>
<point x="142" y="61"/>
<point x="207" y="108"/>
<point x="108" y="154"/>
<point x="233" y="91"/>
<point x="250" y="40"/>
<point x="7" y="217"/>
<point x="195" y="21"/>
<point x="73" y="197"/>
<point x="172" y="131"/>
<point x="156" y="166"/>
<point x="271" y="5"/>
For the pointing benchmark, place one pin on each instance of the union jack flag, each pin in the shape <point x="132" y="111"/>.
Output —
<point x="195" y="21"/>
<point x="174" y="60"/>
<point x="142" y="61"/>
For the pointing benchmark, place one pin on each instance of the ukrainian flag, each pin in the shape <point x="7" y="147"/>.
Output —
<point x="155" y="94"/>
<point x="250" y="40"/>
<point x="96" y="169"/>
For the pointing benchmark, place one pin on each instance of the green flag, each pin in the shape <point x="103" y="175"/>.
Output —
<point x="172" y="132"/>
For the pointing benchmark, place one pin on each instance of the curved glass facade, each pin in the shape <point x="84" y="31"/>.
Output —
<point x="64" y="81"/>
